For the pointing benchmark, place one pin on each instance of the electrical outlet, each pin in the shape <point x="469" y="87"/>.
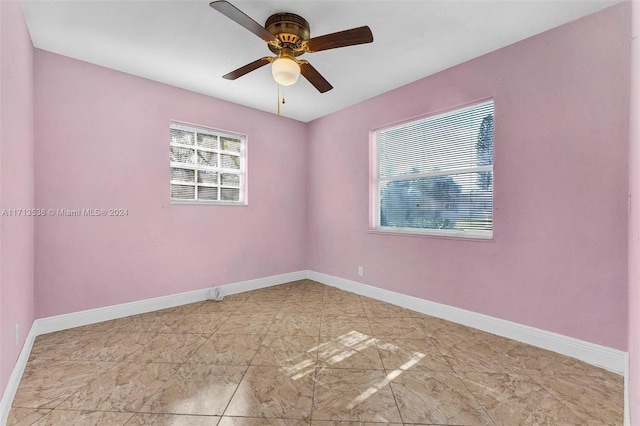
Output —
<point x="360" y="271"/>
<point x="17" y="334"/>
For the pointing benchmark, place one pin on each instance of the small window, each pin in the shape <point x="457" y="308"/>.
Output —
<point x="207" y="165"/>
<point x="434" y="176"/>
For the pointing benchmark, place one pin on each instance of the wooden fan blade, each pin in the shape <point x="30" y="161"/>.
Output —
<point x="247" y="68"/>
<point x="314" y="77"/>
<point x="236" y="15"/>
<point x="360" y="35"/>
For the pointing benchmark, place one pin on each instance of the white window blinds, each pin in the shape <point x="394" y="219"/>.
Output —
<point x="207" y="165"/>
<point x="435" y="174"/>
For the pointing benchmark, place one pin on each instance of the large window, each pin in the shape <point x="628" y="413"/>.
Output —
<point x="434" y="175"/>
<point x="207" y="166"/>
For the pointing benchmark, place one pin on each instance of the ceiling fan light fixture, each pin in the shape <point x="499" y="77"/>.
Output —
<point x="285" y="71"/>
<point x="287" y="35"/>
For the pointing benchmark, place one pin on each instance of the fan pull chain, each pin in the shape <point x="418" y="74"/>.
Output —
<point x="278" y="101"/>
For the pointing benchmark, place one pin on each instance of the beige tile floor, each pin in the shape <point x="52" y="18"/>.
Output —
<point x="303" y="354"/>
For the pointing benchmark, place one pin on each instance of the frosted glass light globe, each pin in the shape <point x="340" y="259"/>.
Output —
<point x="285" y="71"/>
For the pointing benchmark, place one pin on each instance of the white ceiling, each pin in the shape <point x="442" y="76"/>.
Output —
<point x="189" y="45"/>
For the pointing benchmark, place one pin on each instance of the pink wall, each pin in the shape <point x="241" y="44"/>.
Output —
<point x="634" y="222"/>
<point x="16" y="184"/>
<point x="558" y="260"/>
<point x="102" y="142"/>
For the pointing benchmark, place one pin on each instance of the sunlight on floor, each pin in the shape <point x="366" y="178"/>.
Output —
<point x="345" y="346"/>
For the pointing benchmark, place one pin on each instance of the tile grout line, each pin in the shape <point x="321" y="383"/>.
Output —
<point x="384" y="368"/>
<point x="464" y="383"/>
<point x="539" y="383"/>
<point x="149" y="397"/>
<point x="249" y="364"/>
<point x="315" y="366"/>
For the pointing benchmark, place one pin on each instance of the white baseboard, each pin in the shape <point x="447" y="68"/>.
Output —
<point x="259" y="283"/>
<point x="92" y="316"/>
<point x="627" y="400"/>
<point x="14" y="380"/>
<point x="611" y="359"/>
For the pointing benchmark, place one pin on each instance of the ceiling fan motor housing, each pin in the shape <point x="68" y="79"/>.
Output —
<point x="290" y="29"/>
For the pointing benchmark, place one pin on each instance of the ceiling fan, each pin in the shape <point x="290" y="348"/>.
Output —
<point x="287" y="35"/>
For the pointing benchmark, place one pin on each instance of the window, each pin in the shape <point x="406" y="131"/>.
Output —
<point x="207" y="166"/>
<point x="434" y="175"/>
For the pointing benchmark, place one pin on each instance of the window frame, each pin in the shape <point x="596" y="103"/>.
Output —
<point x="375" y="180"/>
<point x="243" y="199"/>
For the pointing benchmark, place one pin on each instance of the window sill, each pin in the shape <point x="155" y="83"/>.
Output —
<point x="207" y="203"/>
<point x="443" y="234"/>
